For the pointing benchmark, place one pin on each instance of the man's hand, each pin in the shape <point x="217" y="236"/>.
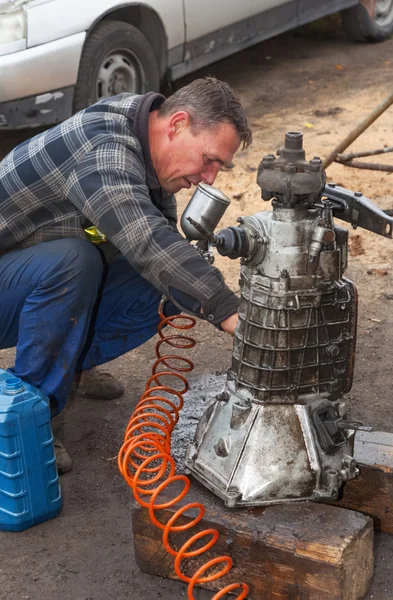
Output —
<point x="229" y="325"/>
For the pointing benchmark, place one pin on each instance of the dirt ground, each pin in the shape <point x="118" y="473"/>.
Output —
<point x="312" y="81"/>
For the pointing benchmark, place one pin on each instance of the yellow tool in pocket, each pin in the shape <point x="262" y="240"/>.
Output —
<point x="95" y="236"/>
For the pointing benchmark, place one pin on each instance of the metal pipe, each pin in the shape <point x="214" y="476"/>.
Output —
<point x="370" y="166"/>
<point x="350" y="156"/>
<point x="360" y="127"/>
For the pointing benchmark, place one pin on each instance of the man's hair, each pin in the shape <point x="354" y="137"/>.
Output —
<point x="209" y="102"/>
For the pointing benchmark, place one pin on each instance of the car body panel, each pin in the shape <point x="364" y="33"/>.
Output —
<point x="308" y="10"/>
<point x="41" y="69"/>
<point x="60" y="18"/>
<point x="221" y="14"/>
<point x="12" y="47"/>
<point x="236" y="36"/>
<point x="278" y="16"/>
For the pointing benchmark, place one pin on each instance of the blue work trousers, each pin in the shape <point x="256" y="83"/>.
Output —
<point x="66" y="311"/>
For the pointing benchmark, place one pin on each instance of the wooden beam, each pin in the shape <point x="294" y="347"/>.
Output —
<point x="291" y="551"/>
<point x="372" y="492"/>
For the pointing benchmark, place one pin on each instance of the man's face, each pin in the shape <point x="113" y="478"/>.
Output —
<point x="190" y="157"/>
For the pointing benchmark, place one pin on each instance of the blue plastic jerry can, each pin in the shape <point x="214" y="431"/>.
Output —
<point x="29" y="485"/>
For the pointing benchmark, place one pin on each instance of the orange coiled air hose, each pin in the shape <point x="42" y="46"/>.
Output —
<point x="145" y="462"/>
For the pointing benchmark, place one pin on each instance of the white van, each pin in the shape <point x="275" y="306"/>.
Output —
<point x="59" y="56"/>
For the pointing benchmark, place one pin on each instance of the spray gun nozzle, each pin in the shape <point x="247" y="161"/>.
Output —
<point x="205" y="232"/>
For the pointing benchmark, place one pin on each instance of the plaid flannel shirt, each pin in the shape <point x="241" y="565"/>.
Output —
<point x="95" y="169"/>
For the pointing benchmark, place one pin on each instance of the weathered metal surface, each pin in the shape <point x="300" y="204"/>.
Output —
<point x="358" y="210"/>
<point x="280" y="435"/>
<point x="369" y="166"/>
<point x="290" y="178"/>
<point x="372" y="492"/>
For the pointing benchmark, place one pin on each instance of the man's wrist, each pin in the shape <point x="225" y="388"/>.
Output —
<point x="221" y="306"/>
<point x="230" y="324"/>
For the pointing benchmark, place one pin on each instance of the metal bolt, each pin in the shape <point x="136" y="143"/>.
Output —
<point x="315" y="164"/>
<point x="240" y="220"/>
<point x="333" y="350"/>
<point x="329" y="236"/>
<point x="222" y="397"/>
<point x="290" y="168"/>
<point x="268" y="161"/>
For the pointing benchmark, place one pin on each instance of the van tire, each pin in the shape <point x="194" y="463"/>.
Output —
<point x="116" y="58"/>
<point x="360" y="27"/>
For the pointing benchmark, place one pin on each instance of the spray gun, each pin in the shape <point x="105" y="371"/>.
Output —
<point x="202" y="215"/>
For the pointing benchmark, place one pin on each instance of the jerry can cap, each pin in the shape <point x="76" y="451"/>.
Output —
<point x="13" y="385"/>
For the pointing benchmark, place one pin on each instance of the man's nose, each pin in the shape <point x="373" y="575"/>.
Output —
<point x="210" y="173"/>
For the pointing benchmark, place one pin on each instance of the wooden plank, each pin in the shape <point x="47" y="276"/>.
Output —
<point x="300" y="550"/>
<point x="372" y="492"/>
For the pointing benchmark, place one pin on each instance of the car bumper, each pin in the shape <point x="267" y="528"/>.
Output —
<point x="38" y="81"/>
<point x="43" y="109"/>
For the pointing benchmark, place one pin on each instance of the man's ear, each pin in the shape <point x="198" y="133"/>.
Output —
<point x="178" y="122"/>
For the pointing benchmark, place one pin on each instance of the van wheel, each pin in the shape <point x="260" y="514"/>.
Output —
<point x="370" y="21"/>
<point x="116" y="58"/>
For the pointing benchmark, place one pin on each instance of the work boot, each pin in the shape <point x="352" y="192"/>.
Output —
<point x="98" y="384"/>
<point x="63" y="459"/>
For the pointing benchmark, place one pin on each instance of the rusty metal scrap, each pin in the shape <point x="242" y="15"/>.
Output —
<point x="350" y="156"/>
<point x="369" y="166"/>
<point x="347" y="160"/>
<point x="358" y="130"/>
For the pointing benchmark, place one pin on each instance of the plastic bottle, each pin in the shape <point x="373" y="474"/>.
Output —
<point x="29" y="486"/>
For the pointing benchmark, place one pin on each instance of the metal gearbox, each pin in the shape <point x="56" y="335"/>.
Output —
<point x="278" y="432"/>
